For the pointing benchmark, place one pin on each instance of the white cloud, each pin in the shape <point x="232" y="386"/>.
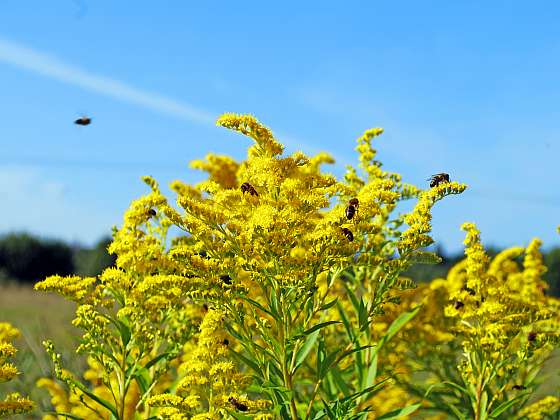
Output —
<point x="33" y="202"/>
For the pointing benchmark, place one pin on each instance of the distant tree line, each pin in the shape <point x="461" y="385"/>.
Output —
<point x="423" y="273"/>
<point x="26" y="258"/>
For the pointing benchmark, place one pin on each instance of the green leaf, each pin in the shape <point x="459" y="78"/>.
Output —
<point x="257" y="305"/>
<point x="157" y="359"/>
<point x="325" y="365"/>
<point x="400" y="322"/>
<point x="124" y="331"/>
<point x="302" y="353"/>
<point x="483" y="405"/>
<point x="142" y="377"/>
<point x="506" y="405"/>
<point x="345" y="321"/>
<point x="354" y="350"/>
<point x="353" y="298"/>
<point x="328" y="305"/>
<point x="274" y="307"/>
<point x="372" y="371"/>
<point x="457" y="387"/>
<point x="316" y="328"/>
<point x="339" y="381"/>
<point x="363" y="315"/>
<point x="253" y="365"/>
<point x="397" y="414"/>
<point x="94" y="397"/>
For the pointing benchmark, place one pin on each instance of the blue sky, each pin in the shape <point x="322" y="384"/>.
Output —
<point x="469" y="88"/>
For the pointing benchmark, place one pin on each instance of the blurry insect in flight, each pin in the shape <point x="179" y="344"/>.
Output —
<point x="352" y="208"/>
<point x="83" y="121"/>
<point x="437" y="179"/>
<point x="246" y="187"/>
<point x="238" y="404"/>
<point x="348" y="233"/>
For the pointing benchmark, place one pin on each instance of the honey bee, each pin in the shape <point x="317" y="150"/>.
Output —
<point x="469" y="290"/>
<point x="83" y="121"/>
<point x="151" y="213"/>
<point x="226" y="279"/>
<point x="437" y="179"/>
<point x="348" y="234"/>
<point x="246" y="187"/>
<point x="238" y="404"/>
<point x="458" y="304"/>
<point x="352" y="208"/>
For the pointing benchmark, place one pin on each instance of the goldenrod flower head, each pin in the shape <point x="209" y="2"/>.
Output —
<point x="221" y="169"/>
<point x="541" y="409"/>
<point x="8" y="332"/>
<point x="13" y="403"/>
<point x="419" y="220"/>
<point x="250" y="126"/>
<point x="74" y="288"/>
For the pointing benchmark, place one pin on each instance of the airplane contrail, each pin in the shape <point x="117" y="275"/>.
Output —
<point x="50" y="66"/>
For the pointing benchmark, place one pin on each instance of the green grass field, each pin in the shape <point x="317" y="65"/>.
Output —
<point x="38" y="316"/>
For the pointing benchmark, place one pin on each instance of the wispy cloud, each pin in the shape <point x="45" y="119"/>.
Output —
<point x="52" y="67"/>
<point x="47" y="65"/>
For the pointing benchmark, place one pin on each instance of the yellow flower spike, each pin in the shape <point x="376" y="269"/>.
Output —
<point x="477" y="260"/>
<point x="541" y="408"/>
<point x="13" y="403"/>
<point x="8" y="332"/>
<point x="419" y="220"/>
<point x="250" y="126"/>
<point x="221" y="169"/>
<point x="78" y="289"/>
<point x="502" y="265"/>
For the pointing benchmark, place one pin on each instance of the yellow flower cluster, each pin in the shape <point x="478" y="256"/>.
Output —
<point x="419" y="221"/>
<point x="12" y="403"/>
<point x="540" y="409"/>
<point x="247" y="124"/>
<point x="210" y="383"/>
<point x="134" y="319"/>
<point x="268" y="243"/>
<point x="487" y="327"/>
<point x="500" y="305"/>
<point x="82" y="405"/>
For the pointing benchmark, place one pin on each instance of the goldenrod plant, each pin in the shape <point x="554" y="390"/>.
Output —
<point x="265" y="305"/>
<point x="13" y="403"/>
<point x="274" y="290"/>
<point x="477" y="347"/>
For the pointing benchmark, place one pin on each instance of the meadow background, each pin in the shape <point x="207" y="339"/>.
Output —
<point x="465" y="88"/>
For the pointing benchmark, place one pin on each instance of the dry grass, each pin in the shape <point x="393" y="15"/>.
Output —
<point x="38" y="316"/>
